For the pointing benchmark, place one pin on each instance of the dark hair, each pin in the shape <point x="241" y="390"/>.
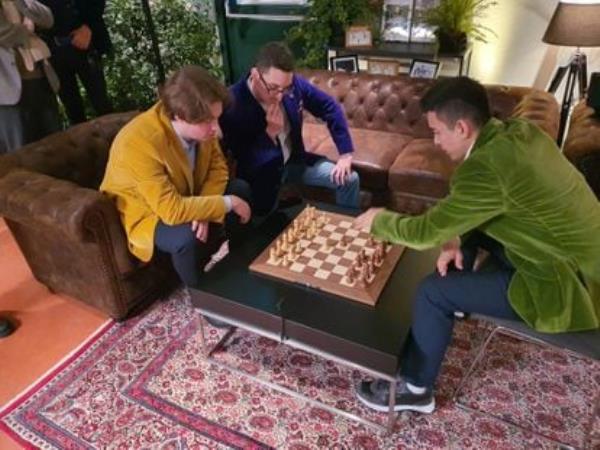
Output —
<point x="277" y="55"/>
<point x="458" y="98"/>
<point x="189" y="93"/>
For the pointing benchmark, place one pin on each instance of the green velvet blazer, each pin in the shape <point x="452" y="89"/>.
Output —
<point x="517" y="188"/>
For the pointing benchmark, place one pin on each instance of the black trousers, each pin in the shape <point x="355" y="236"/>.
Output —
<point x="71" y="64"/>
<point x="437" y="299"/>
<point x="188" y="254"/>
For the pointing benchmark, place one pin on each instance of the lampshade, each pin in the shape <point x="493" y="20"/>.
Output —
<point x="575" y="24"/>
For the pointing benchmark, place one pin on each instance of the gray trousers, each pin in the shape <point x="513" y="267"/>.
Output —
<point x="33" y="117"/>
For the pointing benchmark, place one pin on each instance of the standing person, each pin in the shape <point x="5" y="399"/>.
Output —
<point x="28" y="106"/>
<point x="78" y="40"/>
<point x="514" y="195"/>
<point x="169" y="178"/>
<point x="263" y="129"/>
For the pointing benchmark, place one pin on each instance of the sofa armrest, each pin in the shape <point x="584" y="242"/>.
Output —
<point x="540" y="108"/>
<point x="73" y="212"/>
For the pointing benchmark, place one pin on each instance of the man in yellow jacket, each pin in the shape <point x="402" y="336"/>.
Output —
<point x="169" y="178"/>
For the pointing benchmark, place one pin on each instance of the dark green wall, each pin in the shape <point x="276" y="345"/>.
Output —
<point x="241" y="38"/>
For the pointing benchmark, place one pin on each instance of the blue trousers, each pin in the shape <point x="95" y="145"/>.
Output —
<point x="437" y="299"/>
<point x="188" y="254"/>
<point x="319" y="174"/>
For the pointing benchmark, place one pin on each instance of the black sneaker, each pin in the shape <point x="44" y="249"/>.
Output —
<point x="375" y="395"/>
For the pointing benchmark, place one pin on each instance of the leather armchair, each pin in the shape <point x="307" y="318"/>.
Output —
<point x="582" y="146"/>
<point x="70" y="233"/>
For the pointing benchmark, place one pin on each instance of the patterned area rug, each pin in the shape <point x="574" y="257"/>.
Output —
<point x="145" y="384"/>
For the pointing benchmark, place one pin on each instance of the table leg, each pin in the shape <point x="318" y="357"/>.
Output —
<point x="391" y="412"/>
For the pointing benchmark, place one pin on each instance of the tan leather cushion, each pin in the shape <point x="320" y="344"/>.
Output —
<point x="421" y="169"/>
<point x="374" y="151"/>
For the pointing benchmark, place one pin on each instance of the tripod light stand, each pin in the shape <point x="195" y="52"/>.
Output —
<point x="575" y="23"/>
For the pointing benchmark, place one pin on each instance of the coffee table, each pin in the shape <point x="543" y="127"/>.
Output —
<point x="360" y="336"/>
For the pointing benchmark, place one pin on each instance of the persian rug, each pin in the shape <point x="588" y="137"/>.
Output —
<point x="145" y="384"/>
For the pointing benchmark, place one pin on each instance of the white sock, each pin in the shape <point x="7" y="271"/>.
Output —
<point x="417" y="390"/>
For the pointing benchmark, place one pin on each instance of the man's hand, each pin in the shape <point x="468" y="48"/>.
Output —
<point x="28" y="23"/>
<point x="365" y="220"/>
<point x="81" y="37"/>
<point x="200" y="227"/>
<point x="450" y="253"/>
<point x="274" y="120"/>
<point x="241" y="208"/>
<point x="341" y="172"/>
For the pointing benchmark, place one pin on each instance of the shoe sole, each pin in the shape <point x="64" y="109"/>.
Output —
<point x="425" y="409"/>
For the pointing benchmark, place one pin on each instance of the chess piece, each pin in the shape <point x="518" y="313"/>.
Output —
<point x="285" y="261"/>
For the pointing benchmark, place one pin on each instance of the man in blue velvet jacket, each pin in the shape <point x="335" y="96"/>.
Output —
<point x="262" y="128"/>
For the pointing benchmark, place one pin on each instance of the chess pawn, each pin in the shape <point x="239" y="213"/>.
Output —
<point x="370" y="241"/>
<point x="285" y="261"/>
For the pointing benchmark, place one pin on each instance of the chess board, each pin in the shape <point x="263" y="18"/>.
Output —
<point x="323" y="251"/>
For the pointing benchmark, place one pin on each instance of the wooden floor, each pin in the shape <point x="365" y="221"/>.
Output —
<point x="49" y="326"/>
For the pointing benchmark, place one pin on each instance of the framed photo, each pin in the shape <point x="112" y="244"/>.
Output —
<point x="358" y="36"/>
<point x="419" y="30"/>
<point x="420" y="68"/>
<point x="382" y="67"/>
<point x="395" y="20"/>
<point x="347" y="63"/>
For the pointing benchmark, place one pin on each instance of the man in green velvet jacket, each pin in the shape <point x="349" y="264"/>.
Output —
<point x="514" y="195"/>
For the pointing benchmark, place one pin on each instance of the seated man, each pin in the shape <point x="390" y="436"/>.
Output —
<point x="263" y="129"/>
<point x="515" y="195"/>
<point x="169" y="177"/>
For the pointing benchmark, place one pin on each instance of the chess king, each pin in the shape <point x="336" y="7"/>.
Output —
<point x="514" y="195"/>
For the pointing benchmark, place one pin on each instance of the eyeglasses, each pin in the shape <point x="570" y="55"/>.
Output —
<point x="275" y="89"/>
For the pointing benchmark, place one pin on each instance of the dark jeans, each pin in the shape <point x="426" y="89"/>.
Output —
<point x="70" y="64"/>
<point x="188" y="254"/>
<point x="32" y="118"/>
<point x="437" y="299"/>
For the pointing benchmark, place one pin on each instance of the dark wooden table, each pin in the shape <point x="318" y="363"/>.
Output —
<point x="362" y="336"/>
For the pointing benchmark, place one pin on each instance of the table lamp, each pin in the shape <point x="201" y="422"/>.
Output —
<point x="575" y="23"/>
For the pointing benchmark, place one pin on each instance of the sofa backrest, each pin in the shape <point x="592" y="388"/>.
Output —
<point x="78" y="154"/>
<point x="391" y="103"/>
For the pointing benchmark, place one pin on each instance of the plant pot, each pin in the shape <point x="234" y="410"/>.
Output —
<point x="451" y="42"/>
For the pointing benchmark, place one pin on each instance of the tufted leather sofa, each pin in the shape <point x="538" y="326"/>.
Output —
<point x="394" y="155"/>
<point x="70" y="233"/>
<point x="582" y="146"/>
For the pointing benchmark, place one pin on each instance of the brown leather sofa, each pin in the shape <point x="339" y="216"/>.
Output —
<point x="70" y="233"/>
<point x="394" y="155"/>
<point x="582" y="146"/>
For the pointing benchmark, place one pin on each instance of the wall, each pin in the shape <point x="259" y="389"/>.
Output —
<point x="517" y="56"/>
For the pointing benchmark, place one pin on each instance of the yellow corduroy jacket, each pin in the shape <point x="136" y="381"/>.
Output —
<point x="519" y="189"/>
<point x="149" y="176"/>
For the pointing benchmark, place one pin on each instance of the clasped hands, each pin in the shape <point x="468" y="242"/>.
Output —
<point x="238" y="206"/>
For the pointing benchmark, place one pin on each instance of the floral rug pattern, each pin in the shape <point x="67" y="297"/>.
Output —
<point x="144" y="383"/>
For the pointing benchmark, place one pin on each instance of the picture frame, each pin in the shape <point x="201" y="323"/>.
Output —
<point x="419" y="30"/>
<point x="382" y="67"/>
<point x="346" y="63"/>
<point x="421" y="68"/>
<point x="358" y="36"/>
<point x="395" y="20"/>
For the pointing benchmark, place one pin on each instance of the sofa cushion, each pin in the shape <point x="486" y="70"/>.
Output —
<point x="421" y="169"/>
<point x="374" y="151"/>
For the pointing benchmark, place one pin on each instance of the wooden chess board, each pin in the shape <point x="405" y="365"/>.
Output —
<point x="323" y="251"/>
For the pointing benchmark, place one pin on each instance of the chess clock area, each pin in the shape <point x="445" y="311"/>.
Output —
<point x="322" y="250"/>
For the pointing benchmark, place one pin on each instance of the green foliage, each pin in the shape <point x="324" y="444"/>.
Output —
<point x="460" y="17"/>
<point x="325" y="21"/>
<point x="186" y="35"/>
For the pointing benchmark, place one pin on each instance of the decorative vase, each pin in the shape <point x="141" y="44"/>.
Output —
<point x="451" y="42"/>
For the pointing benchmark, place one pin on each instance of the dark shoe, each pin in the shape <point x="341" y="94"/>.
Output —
<point x="375" y="395"/>
<point x="216" y="322"/>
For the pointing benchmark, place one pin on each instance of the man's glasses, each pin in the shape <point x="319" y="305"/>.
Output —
<point x="275" y="89"/>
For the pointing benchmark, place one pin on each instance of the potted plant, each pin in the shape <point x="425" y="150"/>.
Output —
<point x="457" y="21"/>
<point x="325" y="23"/>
